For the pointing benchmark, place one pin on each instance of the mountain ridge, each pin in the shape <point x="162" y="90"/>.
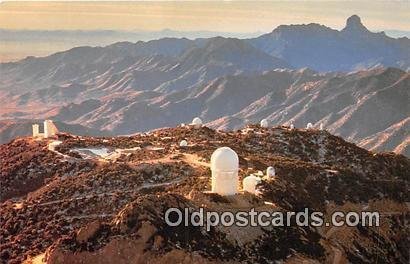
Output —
<point x="354" y="27"/>
<point x="129" y="87"/>
<point x="353" y="47"/>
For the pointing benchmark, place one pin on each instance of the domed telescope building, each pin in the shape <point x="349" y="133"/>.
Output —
<point x="224" y="167"/>
<point x="183" y="143"/>
<point x="264" y="123"/>
<point x="196" y="122"/>
<point x="270" y="172"/>
<point x="250" y="182"/>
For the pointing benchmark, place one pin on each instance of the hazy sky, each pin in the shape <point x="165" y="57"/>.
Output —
<point x="231" y="16"/>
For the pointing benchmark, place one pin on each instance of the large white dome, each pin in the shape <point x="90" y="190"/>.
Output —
<point x="224" y="159"/>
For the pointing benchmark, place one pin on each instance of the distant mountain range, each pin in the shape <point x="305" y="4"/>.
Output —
<point x="353" y="81"/>
<point x="324" y="49"/>
<point x="17" y="44"/>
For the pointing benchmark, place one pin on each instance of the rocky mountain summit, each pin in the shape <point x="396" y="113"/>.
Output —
<point x="102" y="199"/>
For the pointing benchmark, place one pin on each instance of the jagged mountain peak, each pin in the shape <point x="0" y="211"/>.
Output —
<point x="354" y="24"/>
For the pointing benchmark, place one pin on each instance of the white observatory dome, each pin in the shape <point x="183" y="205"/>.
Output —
<point x="183" y="143"/>
<point x="270" y="172"/>
<point x="309" y="126"/>
<point x="264" y="123"/>
<point x="249" y="183"/>
<point x="224" y="167"/>
<point x="224" y="159"/>
<point x="321" y="126"/>
<point x="292" y="126"/>
<point x="197" y="122"/>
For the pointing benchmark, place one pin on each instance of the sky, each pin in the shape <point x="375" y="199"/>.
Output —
<point x="216" y="16"/>
<point x="230" y="16"/>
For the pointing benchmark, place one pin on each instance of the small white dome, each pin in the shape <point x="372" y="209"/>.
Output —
<point x="225" y="160"/>
<point x="264" y="123"/>
<point x="197" y="122"/>
<point x="321" y="126"/>
<point x="309" y="125"/>
<point x="249" y="183"/>
<point x="183" y="143"/>
<point x="270" y="172"/>
<point x="292" y="126"/>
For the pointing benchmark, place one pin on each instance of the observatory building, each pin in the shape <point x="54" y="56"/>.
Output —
<point x="309" y="126"/>
<point x="249" y="183"/>
<point x="270" y="172"/>
<point x="264" y="123"/>
<point x="50" y="129"/>
<point x="183" y="143"/>
<point x="321" y="126"/>
<point x="196" y="122"/>
<point x="36" y="130"/>
<point x="224" y="167"/>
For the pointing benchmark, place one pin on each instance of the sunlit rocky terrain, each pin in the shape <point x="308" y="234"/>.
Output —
<point x="85" y="199"/>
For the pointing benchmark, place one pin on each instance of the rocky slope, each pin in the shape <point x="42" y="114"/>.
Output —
<point x="109" y="208"/>
<point x="367" y="107"/>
